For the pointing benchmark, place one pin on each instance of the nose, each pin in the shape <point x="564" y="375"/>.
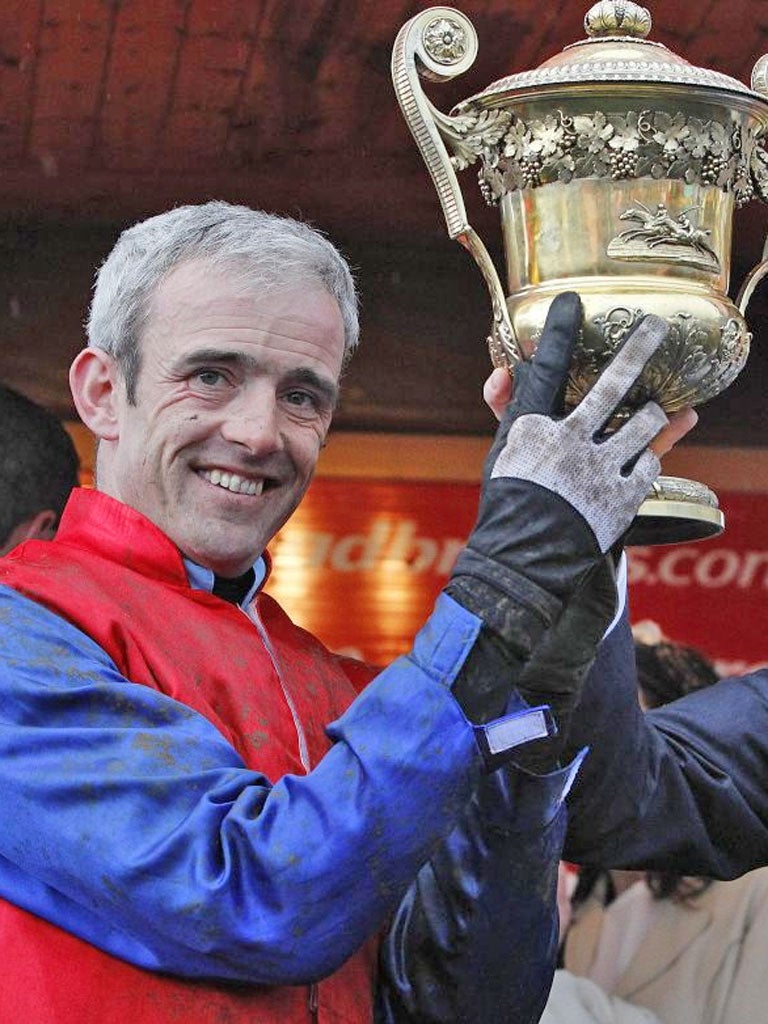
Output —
<point x="254" y="424"/>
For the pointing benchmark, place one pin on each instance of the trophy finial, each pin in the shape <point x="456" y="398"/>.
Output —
<point x="617" y="18"/>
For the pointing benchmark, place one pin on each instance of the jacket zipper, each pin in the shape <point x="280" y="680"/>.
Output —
<point x="313" y="1002"/>
<point x="254" y="616"/>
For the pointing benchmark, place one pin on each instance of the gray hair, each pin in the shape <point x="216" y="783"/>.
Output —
<point x="262" y="249"/>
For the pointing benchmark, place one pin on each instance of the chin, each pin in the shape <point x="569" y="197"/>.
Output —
<point x="225" y="567"/>
<point x="233" y="563"/>
<point x="223" y="563"/>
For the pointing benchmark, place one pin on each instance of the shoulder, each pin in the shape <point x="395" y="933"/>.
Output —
<point x="26" y="625"/>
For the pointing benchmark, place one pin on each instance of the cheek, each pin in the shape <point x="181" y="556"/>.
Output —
<point x="175" y="431"/>
<point x="306" y="448"/>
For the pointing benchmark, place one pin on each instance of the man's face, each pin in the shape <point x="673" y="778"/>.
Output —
<point x="234" y="399"/>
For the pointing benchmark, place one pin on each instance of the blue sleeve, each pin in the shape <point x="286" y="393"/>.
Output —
<point x="684" y="787"/>
<point x="130" y="821"/>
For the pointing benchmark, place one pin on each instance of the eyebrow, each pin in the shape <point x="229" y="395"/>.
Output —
<point x="248" y="363"/>
<point x="329" y="390"/>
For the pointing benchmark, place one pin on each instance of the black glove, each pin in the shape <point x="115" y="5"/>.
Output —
<point x="559" y="665"/>
<point x="566" y="651"/>
<point x="556" y="494"/>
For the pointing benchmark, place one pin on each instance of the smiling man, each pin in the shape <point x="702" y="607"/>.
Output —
<point x="200" y="820"/>
<point x="236" y="398"/>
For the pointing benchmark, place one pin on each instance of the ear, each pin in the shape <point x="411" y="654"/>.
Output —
<point x="39" y="527"/>
<point x="96" y="385"/>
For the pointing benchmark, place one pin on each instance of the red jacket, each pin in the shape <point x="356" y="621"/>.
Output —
<point x="121" y="581"/>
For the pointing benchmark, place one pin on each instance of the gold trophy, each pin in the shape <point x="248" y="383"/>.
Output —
<point x="617" y="166"/>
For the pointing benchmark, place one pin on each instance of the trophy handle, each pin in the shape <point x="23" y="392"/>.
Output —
<point x="758" y="166"/>
<point x="751" y="281"/>
<point x="439" y="44"/>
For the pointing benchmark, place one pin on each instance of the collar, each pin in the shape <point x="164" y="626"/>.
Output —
<point x="118" y="533"/>
<point x="201" y="578"/>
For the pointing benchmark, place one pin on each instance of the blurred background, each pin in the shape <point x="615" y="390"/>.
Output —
<point x="112" y="110"/>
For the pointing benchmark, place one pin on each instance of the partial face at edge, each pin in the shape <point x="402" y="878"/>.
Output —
<point x="234" y="399"/>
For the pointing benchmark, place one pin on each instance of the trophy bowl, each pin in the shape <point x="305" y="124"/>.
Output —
<point x="616" y="166"/>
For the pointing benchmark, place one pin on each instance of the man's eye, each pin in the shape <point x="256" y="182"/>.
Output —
<point x="210" y="378"/>
<point x="301" y="399"/>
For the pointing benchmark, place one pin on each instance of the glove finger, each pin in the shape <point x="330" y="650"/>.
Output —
<point x="643" y="473"/>
<point x="597" y="407"/>
<point x="539" y="382"/>
<point x="629" y="495"/>
<point x="574" y="637"/>
<point x="637" y="433"/>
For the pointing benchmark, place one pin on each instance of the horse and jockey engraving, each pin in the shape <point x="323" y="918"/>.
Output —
<point x="656" y="231"/>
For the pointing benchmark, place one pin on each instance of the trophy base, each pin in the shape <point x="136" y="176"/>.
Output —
<point x="676" y="511"/>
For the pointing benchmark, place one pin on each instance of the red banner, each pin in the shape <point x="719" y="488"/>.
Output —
<point x="713" y="594"/>
<point x="361" y="563"/>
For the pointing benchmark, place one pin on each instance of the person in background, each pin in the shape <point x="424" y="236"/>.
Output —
<point x="688" y="949"/>
<point x="200" y="820"/>
<point x="681" y="788"/>
<point x="38" y="469"/>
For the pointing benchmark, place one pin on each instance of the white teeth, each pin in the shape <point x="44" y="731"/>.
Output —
<point x="233" y="482"/>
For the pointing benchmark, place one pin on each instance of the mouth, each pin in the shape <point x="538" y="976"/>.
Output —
<point x="236" y="483"/>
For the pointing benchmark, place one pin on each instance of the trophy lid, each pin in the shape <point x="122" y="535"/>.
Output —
<point x="616" y="50"/>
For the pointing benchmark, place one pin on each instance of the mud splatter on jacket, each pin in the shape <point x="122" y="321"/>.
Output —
<point x="224" y="841"/>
